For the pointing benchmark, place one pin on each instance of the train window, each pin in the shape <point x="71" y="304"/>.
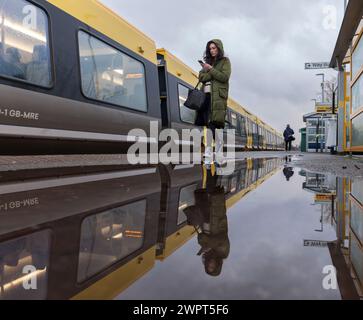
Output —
<point x="111" y="76"/>
<point x="24" y="46"/>
<point x="227" y="124"/>
<point x="234" y="120"/>
<point x="186" y="115"/>
<point x="186" y="199"/>
<point x="110" y="236"/>
<point x="233" y="185"/>
<point x="243" y="126"/>
<point x="250" y="127"/>
<point x="242" y="180"/>
<point x="32" y="251"/>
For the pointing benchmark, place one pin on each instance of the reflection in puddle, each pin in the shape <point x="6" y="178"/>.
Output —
<point x="15" y="255"/>
<point x="109" y="236"/>
<point x="183" y="233"/>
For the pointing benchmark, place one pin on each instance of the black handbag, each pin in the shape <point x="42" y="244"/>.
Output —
<point x="292" y="138"/>
<point x="196" y="99"/>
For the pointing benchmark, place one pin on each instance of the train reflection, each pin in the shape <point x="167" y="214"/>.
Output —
<point x="91" y="236"/>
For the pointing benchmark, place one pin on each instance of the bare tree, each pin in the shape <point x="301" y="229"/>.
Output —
<point x="329" y="88"/>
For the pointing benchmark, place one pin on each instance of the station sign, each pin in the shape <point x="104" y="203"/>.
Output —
<point x="317" y="65"/>
<point x="323" y="197"/>
<point x="316" y="243"/>
<point x="324" y="108"/>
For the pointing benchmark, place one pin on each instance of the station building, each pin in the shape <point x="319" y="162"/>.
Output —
<point x="320" y="131"/>
<point x="347" y="59"/>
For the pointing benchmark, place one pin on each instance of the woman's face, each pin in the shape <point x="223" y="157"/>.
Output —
<point x="213" y="50"/>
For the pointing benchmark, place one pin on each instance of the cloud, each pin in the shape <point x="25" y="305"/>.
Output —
<point x="268" y="43"/>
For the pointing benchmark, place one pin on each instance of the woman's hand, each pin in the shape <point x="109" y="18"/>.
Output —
<point x="207" y="67"/>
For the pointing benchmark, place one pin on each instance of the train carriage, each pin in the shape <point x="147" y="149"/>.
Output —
<point x="77" y="78"/>
<point x="118" y="225"/>
<point x="85" y="78"/>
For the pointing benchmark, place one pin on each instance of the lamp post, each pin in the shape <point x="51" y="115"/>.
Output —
<point x="316" y="130"/>
<point x="322" y="86"/>
<point x="321" y="135"/>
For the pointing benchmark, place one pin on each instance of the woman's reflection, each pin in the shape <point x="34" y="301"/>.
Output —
<point x="208" y="216"/>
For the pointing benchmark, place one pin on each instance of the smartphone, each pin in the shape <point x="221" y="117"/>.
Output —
<point x="201" y="62"/>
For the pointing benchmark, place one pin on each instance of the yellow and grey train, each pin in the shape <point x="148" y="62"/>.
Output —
<point x="117" y="224"/>
<point x="76" y="78"/>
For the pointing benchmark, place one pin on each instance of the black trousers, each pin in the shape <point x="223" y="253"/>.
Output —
<point x="288" y="145"/>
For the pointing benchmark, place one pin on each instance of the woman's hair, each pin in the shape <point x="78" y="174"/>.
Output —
<point x="212" y="263"/>
<point x="208" y="57"/>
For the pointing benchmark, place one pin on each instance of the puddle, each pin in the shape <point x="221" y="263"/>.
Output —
<point x="264" y="231"/>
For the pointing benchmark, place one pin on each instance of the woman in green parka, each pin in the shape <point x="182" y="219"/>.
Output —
<point x="215" y="77"/>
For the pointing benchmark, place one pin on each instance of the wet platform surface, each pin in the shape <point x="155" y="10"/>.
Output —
<point x="263" y="230"/>
<point x="267" y="258"/>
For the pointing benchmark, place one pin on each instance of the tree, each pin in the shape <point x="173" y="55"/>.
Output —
<point x="329" y="88"/>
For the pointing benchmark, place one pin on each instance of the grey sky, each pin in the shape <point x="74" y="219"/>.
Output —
<point x="267" y="41"/>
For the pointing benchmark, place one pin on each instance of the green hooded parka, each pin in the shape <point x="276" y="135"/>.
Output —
<point x="219" y="77"/>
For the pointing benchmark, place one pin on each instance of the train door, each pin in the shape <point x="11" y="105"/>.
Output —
<point x="242" y="130"/>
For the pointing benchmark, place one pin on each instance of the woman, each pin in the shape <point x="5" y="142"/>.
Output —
<point x="215" y="77"/>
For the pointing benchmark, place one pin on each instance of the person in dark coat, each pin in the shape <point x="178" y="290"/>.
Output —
<point x="288" y="173"/>
<point x="208" y="216"/>
<point x="289" y="137"/>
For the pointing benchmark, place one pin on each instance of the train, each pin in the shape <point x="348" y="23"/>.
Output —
<point x="92" y="235"/>
<point x="75" y="78"/>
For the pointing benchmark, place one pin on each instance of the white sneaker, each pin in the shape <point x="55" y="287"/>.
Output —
<point x="219" y="155"/>
<point x="208" y="156"/>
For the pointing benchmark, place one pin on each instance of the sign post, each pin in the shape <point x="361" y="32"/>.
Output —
<point x="317" y="65"/>
<point x="316" y="243"/>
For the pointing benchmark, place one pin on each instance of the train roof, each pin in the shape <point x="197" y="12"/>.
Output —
<point x="107" y="22"/>
<point x="235" y="106"/>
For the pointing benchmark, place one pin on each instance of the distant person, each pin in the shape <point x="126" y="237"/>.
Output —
<point x="289" y="137"/>
<point x="215" y="77"/>
<point x="288" y="173"/>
